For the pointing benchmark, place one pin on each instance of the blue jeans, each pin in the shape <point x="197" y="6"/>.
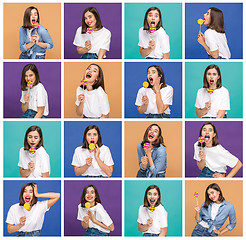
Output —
<point x="36" y="233"/>
<point x="30" y="114"/>
<point x="210" y="57"/>
<point x="152" y="58"/>
<point x="25" y="56"/>
<point x="90" y="117"/>
<point x="200" y="231"/>
<point x="100" y="176"/>
<point x="207" y="173"/>
<point x="225" y="116"/>
<point x="161" y="115"/>
<point x="143" y="174"/>
<point x="95" y="232"/>
<point x="89" y="56"/>
<point x="150" y="235"/>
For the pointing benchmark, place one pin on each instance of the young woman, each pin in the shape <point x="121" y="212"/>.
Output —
<point x="34" y="162"/>
<point x="92" y="163"/>
<point x="214" y="39"/>
<point x="94" y="218"/>
<point x="216" y="104"/>
<point x="153" y="157"/>
<point x="156" y="98"/>
<point x="91" y="100"/>
<point x="153" y="40"/>
<point x="152" y="216"/>
<point x="213" y="213"/>
<point x="27" y="216"/>
<point x="92" y="39"/>
<point x="34" y="98"/>
<point x="34" y="38"/>
<point x="212" y="159"/>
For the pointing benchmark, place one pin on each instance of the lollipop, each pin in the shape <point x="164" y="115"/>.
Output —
<point x="30" y="84"/>
<point x="87" y="205"/>
<point x="89" y="30"/>
<point x="36" y="25"/>
<point x="145" y="85"/>
<point x="92" y="146"/>
<point x="201" y="139"/>
<point x="196" y="195"/>
<point x="32" y="150"/>
<point x="83" y="82"/>
<point x="210" y="91"/>
<point x="146" y="146"/>
<point x="152" y="29"/>
<point x="200" y="22"/>
<point x="152" y="209"/>
<point x="26" y="206"/>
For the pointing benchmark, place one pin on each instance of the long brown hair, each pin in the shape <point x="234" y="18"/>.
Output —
<point x="217" y="20"/>
<point x="26" y="18"/>
<point x="146" y="25"/>
<point x="34" y="69"/>
<point x="21" y="200"/>
<point x="99" y="141"/>
<point x="146" y="202"/>
<point x="219" y="81"/>
<point x="30" y="129"/>
<point x="83" y="201"/>
<point x="215" y="138"/>
<point x="216" y="187"/>
<point x="160" y="74"/>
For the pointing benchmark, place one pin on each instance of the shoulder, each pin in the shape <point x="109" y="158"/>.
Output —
<point x="14" y="207"/>
<point x="42" y="29"/>
<point x="161" y="149"/>
<point x="196" y="144"/>
<point x="142" y="89"/>
<point x="79" y="207"/>
<point x="210" y="32"/>
<point x="100" y="91"/>
<point x="141" y="208"/>
<point x="223" y="89"/>
<point x="79" y="29"/>
<point x="141" y="29"/>
<point x="78" y="149"/>
<point x="167" y="88"/>
<point x="99" y="206"/>
<point x="22" y="150"/>
<point x="41" y="150"/>
<point x="104" y="148"/>
<point x="228" y="204"/>
<point x="201" y="90"/>
<point x="40" y="86"/>
<point x="22" y="29"/>
<point x="105" y="31"/>
<point x="161" y="209"/>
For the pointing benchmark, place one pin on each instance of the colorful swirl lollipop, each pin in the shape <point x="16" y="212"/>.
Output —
<point x="36" y="25"/>
<point x="87" y="205"/>
<point x="201" y="139"/>
<point x="30" y="84"/>
<point x="146" y="146"/>
<point x="89" y="30"/>
<point x="152" y="209"/>
<point x="26" y="206"/>
<point x="210" y="91"/>
<point x="152" y="29"/>
<point x="83" y="82"/>
<point x="92" y="146"/>
<point x="32" y="150"/>
<point x="196" y="195"/>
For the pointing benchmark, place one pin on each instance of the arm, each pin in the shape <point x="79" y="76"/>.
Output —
<point x="201" y="164"/>
<point x="40" y="112"/>
<point x="92" y="216"/>
<point x="83" y="50"/>
<point x="163" y="232"/>
<point x="160" y="105"/>
<point x="24" y="106"/>
<point x="221" y="113"/>
<point x="80" y="170"/>
<point x="146" y="51"/>
<point x="166" y="55"/>
<point x="197" y="216"/>
<point x="14" y="228"/>
<point x="235" y="169"/>
<point x="45" y="175"/>
<point x="25" y="172"/>
<point x="200" y="112"/>
<point x="105" y="116"/>
<point x="80" y="108"/>
<point x="145" y="227"/>
<point x="101" y="53"/>
<point x="143" y="108"/>
<point x="47" y="41"/>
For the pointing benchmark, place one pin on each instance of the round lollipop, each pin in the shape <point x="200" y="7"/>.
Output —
<point x="146" y="146"/>
<point x="26" y="206"/>
<point x="152" y="29"/>
<point x="32" y="150"/>
<point x="196" y="195"/>
<point x="145" y="85"/>
<point x="201" y="140"/>
<point x="152" y="209"/>
<point x="210" y="91"/>
<point x="89" y="30"/>
<point x="36" y="25"/>
<point x="87" y="205"/>
<point x="200" y="22"/>
<point x="30" y="84"/>
<point x="83" y="82"/>
<point x="92" y="146"/>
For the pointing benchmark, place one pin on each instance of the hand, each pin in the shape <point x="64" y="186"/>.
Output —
<point x="96" y="152"/>
<point x="197" y="208"/>
<point x="88" y="45"/>
<point x="148" y="152"/>
<point x="217" y="231"/>
<point x="218" y="175"/>
<point x="86" y="219"/>
<point x="35" y="189"/>
<point x="157" y="87"/>
<point x="31" y="166"/>
<point x="202" y="155"/>
<point x="26" y="97"/>
<point x="37" y="37"/>
<point x="152" y="44"/>
<point x="88" y="161"/>
<point x="208" y="105"/>
<point x="33" y="38"/>
<point x="145" y="100"/>
<point x="150" y="222"/>
<point x="201" y="38"/>
<point x="92" y="216"/>
<point x="81" y="98"/>
<point x="23" y="220"/>
<point x="144" y="161"/>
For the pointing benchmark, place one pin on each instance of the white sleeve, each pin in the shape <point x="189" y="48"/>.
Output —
<point x="22" y="163"/>
<point x="198" y="100"/>
<point x="225" y="101"/>
<point x="22" y="97"/>
<point x="103" y="216"/>
<point x="230" y="160"/>
<point x="107" y="157"/>
<point x="165" y="45"/>
<point x="80" y="215"/>
<point x="141" y="42"/>
<point x="106" y="43"/>
<point x="211" y="40"/>
<point x="104" y="104"/>
<point x="139" y="101"/>
<point x="167" y="96"/>
<point x="41" y="96"/>
<point x="140" y="215"/>
<point x="45" y="166"/>
<point x="10" y="217"/>
<point x="76" y="159"/>
<point x="77" y="102"/>
<point x="43" y="205"/>
<point x="163" y="217"/>
<point x="196" y="152"/>
<point x="78" y="39"/>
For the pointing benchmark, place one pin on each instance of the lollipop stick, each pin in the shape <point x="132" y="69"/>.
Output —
<point x="196" y="200"/>
<point x="200" y="28"/>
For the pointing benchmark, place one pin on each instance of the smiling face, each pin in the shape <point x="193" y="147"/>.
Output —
<point x="208" y="134"/>
<point x="33" y="139"/>
<point x="212" y="77"/>
<point x="92" y="136"/>
<point x="28" y="194"/>
<point x="153" y="76"/>
<point x="152" y="197"/>
<point x="153" y="134"/>
<point x="213" y="195"/>
<point x="91" y="74"/>
<point x="34" y="16"/>
<point x="90" y="20"/>
<point x="207" y="17"/>
<point x="30" y="76"/>
<point x="153" y="18"/>
<point x="90" y="195"/>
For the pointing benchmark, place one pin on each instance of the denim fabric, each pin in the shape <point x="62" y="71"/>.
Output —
<point x="143" y="174"/>
<point x="159" y="156"/>
<point x="87" y="176"/>
<point x="95" y="232"/>
<point x="161" y="115"/>
<point x="91" y="117"/>
<point x="152" y="58"/>
<point x="150" y="235"/>
<point x="200" y="231"/>
<point x="36" y="233"/>
<point x="89" y="56"/>
<point x="44" y="36"/>
<point x="210" y="57"/>
<point x="30" y="114"/>
<point x="25" y="56"/>
<point x="225" y="116"/>
<point x="207" y="173"/>
<point x="226" y="210"/>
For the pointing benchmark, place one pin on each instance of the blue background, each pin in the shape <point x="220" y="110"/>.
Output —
<point x="52" y="219"/>
<point x="111" y="137"/>
<point x="136" y="74"/>
<point x="233" y="20"/>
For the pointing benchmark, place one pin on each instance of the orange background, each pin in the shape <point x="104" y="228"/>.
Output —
<point x="232" y="192"/>
<point x="74" y="72"/>
<point x="50" y="18"/>
<point x="172" y="135"/>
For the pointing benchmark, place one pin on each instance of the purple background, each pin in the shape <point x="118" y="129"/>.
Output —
<point x="110" y="14"/>
<point x="229" y="135"/>
<point x="110" y="195"/>
<point x="50" y="77"/>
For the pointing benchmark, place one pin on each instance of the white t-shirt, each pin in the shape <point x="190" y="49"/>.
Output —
<point x="161" y="42"/>
<point x="40" y="158"/>
<point x="99" y="40"/>
<point x="220" y="100"/>
<point x="217" y="158"/>
<point x="34" y="217"/>
<point x="79" y="160"/>
<point x="96" y="102"/>
<point x="38" y="98"/>
<point x="217" y="41"/>
<point x="159" y="217"/>
<point x="101" y="216"/>
<point x="166" y="96"/>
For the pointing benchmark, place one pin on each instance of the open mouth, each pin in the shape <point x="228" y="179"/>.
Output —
<point x="33" y="21"/>
<point x="152" y="201"/>
<point x="151" y="80"/>
<point x="27" y="199"/>
<point x="211" y="81"/>
<point x="151" y="136"/>
<point x="152" y="24"/>
<point x="92" y="141"/>
<point x="88" y="75"/>
<point x="207" y="137"/>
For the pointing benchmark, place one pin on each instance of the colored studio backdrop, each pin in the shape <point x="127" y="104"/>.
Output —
<point x="172" y="136"/>
<point x="171" y="20"/>
<point x="52" y="219"/>
<point x="50" y="18"/>
<point x="73" y="138"/>
<point x="75" y="72"/>
<point x="136" y="75"/>
<point x="50" y="77"/>
<point x="232" y="192"/>
<point x="171" y="200"/>
<point x="233" y="25"/>
<point x="11" y="147"/>
<point x="110" y="14"/>
<point x="110" y="195"/>
<point x="230" y="136"/>
<point x="232" y="80"/>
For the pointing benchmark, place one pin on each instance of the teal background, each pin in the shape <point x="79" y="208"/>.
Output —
<point x="171" y="198"/>
<point x="171" y="20"/>
<point x="13" y="140"/>
<point x="232" y="80"/>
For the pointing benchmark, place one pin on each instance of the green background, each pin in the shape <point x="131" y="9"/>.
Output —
<point x="232" y="80"/>
<point x="171" y="198"/>
<point x="171" y="20"/>
<point x="14" y="134"/>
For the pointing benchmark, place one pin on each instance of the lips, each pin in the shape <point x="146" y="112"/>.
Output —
<point x="151" y="136"/>
<point x="88" y="75"/>
<point x="152" y="201"/>
<point x="211" y="81"/>
<point x="152" y="24"/>
<point x="33" y="20"/>
<point x="151" y="80"/>
<point x="27" y="199"/>
<point x="207" y="137"/>
<point x="89" y="198"/>
<point x="92" y="141"/>
<point x="32" y="144"/>
<point x="89" y="23"/>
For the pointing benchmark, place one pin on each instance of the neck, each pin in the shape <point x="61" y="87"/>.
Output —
<point x="89" y="87"/>
<point x="209" y="144"/>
